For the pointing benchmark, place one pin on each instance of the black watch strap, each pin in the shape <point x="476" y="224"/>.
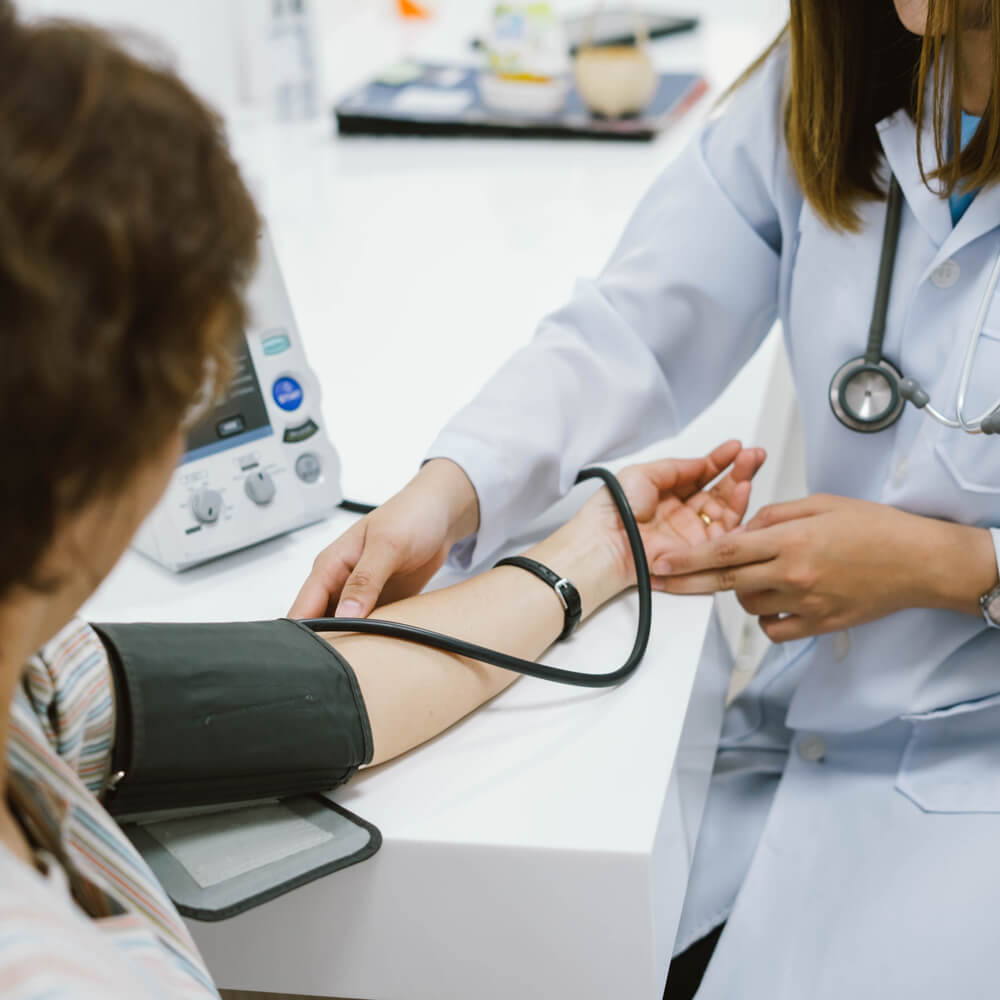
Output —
<point x="568" y="595"/>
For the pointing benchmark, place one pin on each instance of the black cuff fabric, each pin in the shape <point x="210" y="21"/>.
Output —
<point x="218" y="713"/>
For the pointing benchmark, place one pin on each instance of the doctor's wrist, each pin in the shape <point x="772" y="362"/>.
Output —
<point x="449" y="480"/>
<point x="957" y="565"/>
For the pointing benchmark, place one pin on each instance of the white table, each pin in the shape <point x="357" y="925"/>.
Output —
<point x="541" y="847"/>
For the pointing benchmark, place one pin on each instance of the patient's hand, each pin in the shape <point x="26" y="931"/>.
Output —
<point x="672" y="506"/>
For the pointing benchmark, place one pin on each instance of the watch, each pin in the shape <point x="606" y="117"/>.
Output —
<point x="569" y="596"/>
<point x="990" y="605"/>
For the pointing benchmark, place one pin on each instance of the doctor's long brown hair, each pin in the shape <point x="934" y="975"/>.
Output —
<point x="852" y="63"/>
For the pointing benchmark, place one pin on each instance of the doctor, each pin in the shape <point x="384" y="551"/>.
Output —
<point x="851" y="839"/>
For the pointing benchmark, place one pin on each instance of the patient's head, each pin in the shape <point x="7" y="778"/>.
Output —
<point x="126" y="241"/>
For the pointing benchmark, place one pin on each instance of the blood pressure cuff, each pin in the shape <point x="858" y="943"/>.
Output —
<point x="209" y="714"/>
<point x="226" y="736"/>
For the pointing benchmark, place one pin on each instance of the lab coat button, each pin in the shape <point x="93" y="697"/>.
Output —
<point x="812" y="749"/>
<point x="945" y="275"/>
<point x="899" y="472"/>
<point x="841" y="646"/>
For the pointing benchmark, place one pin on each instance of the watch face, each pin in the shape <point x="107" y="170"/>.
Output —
<point x="991" y="605"/>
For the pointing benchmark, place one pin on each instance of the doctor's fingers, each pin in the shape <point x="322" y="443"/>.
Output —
<point x="741" y="548"/>
<point x="360" y="594"/>
<point x="312" y="600"/>
<point x="790" y="510"/>
<point x="329" y="573"/>
<point x="765" y="602"/>
<point x="759" y="576"/>
<point x="785" y="628"/>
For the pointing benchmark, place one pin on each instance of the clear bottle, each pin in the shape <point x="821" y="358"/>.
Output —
<point x="526" y="60"/>
<point x="292" y="66"/>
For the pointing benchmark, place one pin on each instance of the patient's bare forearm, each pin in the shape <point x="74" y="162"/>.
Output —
<point x="412" y="693"/>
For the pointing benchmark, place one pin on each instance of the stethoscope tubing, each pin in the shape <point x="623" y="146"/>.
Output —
<point x="975" y="425"/>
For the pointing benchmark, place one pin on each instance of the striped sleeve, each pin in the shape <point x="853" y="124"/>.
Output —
<point x="51" y="950"/>
<point x="69" y="686"/>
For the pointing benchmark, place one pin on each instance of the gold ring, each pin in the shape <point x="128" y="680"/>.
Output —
<point x="705" y="518"/>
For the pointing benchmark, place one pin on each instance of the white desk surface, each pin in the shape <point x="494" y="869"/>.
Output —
<point x="541" y="847"/>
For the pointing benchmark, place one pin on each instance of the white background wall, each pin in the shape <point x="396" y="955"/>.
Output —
<point x="196" y="35"/>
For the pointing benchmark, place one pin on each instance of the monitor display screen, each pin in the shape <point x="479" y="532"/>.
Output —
<point x="235" y="419"/>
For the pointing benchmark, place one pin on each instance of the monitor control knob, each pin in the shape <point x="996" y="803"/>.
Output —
<point x="206" y="505"/>
<point x="259" y="487"/>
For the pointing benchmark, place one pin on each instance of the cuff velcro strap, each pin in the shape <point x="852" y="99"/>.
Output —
<point x="220" y="713"/>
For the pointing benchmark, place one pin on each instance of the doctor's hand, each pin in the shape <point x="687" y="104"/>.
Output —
<point x="674" y="506"/>
<point x="391" y="553"/>
<point x="826" y="563"/>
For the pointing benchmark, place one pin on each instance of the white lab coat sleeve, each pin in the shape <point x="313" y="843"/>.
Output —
<point x="684" y="301"/>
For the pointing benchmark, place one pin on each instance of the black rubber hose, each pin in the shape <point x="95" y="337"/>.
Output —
<point x="436" y="640"/>
<point x="887" y="263"/>
<point x="355" y="507"/>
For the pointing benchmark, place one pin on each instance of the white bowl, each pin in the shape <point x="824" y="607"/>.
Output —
<point x="533" y="98"/>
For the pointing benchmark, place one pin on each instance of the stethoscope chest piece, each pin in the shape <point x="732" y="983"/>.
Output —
<point x="864" y="395"/>
<point x="868" y="393"/>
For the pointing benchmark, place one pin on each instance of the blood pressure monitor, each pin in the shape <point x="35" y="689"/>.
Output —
<point x="257" y="463"/>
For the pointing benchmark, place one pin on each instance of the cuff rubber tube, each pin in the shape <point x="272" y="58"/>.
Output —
<point x="579" y="678"/>
<point x="210" y="714"/>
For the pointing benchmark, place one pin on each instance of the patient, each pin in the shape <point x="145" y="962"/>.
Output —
<point x="126" y="240"/>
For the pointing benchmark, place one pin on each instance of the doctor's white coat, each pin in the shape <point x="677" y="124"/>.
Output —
<point x="852" y="834"/>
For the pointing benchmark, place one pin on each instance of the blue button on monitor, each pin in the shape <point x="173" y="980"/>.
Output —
<point x="287" y="393"/>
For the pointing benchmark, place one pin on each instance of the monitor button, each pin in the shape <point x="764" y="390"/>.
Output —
<point x="293" y="435"/>
<point x="287" y="393"/>
<point x="275" y="342"/>
<point x="231" y="425"/>
<point x="307" y="467"/>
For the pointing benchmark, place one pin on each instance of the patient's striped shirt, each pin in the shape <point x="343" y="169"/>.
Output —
<point x="91" y="921"/>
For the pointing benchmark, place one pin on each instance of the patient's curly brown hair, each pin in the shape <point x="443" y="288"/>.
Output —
<point x="127" y="238"/>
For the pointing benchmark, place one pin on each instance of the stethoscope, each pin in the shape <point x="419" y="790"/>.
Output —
<point x="868" y="392"/>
